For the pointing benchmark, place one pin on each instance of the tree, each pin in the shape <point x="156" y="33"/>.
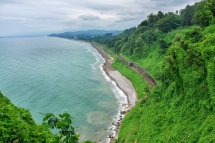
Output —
<point x="150" y="36"/>
<point x="169" y="22"/>
<point x="160" y="15"/>
<point x="63" y="124"/>
<point x="194" y="34"/>
<point x="152" y="19"/>
<point x="204" y="13"/>
<point x="144" y="23"/>
<point x="187" y="15"/>
<point x="163" y="45"/>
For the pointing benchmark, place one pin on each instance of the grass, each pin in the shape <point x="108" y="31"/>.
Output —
<point x="153" y="63"/>
<point x="137" y="80"/>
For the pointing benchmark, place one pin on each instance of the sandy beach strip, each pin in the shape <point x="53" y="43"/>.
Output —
<point x="122" y="83"/>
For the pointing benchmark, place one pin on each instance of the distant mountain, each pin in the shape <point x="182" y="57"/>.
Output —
<point x="85" y="35"/>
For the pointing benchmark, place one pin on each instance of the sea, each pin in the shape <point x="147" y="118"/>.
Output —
<point x="55" y="75"/>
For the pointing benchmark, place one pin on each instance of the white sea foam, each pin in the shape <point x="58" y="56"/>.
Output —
<point x="119" y="94"/>
<point x="99" y="59"/>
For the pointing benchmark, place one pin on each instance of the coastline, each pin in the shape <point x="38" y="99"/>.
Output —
<point x="124" y="85"/>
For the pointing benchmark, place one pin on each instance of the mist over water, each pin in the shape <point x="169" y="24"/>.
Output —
<point x="46" y="74"/>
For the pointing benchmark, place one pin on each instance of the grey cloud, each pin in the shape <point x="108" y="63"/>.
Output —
<point x="171" y="3"/>
<point x="162" y="3"/>
<point x="89" y="17"/>
<point x="28" y="16"/>
<point x="125" y="19"/>
<point x="103" y="7"/>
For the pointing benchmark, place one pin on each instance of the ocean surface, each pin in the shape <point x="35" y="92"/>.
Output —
<point x="54" y="75"/>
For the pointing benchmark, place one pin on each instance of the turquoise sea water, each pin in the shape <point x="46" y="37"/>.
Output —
<point x="46" y="74"/>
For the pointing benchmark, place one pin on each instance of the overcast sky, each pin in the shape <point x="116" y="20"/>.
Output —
<point x="20" y="17"/>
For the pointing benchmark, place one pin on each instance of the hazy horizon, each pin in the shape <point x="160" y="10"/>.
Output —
<point x="47" y="34"/>
<point x="24" y="17"/>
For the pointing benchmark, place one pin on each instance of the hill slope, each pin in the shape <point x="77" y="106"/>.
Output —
<point x="178" y="50"/>
<point x="17" y="125"/>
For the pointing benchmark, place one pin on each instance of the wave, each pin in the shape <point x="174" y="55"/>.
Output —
<point x="99" y="59"/>
<point x="119" y="95"/>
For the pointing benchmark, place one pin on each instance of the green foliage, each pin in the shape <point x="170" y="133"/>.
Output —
<point x="163" y="46"/>
<point x="63" y="124"/>
<point x="181" y="108"/>
<point x="153" y="18"/>
<point x="187" y="15"/>
<point x="194" y="34"/>
<point x="204" y="13"/>
<point x="169" y="22"/>
<point x="17" y="125"/>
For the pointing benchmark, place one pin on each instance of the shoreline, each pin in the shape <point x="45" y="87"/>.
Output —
<point x="124" y="85"/>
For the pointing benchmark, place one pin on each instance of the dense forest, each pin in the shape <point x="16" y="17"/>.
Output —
<point x="178" y="50"/>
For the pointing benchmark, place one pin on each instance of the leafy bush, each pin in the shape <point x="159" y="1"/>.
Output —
<point x="63" y="124"/>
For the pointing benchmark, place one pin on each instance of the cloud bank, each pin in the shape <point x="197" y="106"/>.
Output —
<point x="20" y="17"/>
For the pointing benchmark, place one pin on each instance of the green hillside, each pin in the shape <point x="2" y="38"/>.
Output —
<point x="178" y="50"/>
<point x="18" y="126"/>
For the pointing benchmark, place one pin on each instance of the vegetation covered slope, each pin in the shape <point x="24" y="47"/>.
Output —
<point x="178" y="49"/>
<point x="17" y="125"/>
<point x="181" y="108"/>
